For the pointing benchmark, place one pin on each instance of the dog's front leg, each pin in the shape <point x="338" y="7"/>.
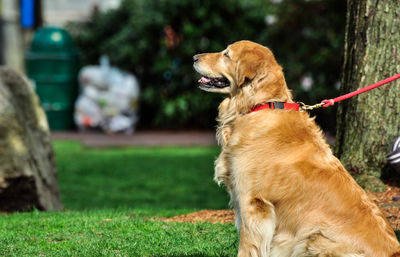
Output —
<point x="257" y="227"/>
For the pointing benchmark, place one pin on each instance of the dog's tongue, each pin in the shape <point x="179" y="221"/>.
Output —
<point x="204" y="80"/>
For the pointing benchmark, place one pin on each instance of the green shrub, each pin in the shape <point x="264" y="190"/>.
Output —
<point x="306" y="38"/>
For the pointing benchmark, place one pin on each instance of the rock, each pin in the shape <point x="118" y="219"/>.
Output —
<point x="28" y="173"/>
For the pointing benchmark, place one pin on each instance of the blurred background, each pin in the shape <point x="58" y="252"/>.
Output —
<point x="150" y="45"/>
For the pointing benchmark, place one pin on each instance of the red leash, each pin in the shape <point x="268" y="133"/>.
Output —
<point x="330" y="102"/>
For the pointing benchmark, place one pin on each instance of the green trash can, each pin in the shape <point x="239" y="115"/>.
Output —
<point x="52" y="63"/>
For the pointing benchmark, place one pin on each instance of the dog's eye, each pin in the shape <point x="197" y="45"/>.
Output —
<point x="226" y="55"/>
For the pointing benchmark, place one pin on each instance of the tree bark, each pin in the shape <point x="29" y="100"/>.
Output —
<point x="28" y="174"/>
<point x="367" y="124"/>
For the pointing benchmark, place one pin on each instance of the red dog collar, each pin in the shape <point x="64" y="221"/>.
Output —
<point x="276" y="105"/>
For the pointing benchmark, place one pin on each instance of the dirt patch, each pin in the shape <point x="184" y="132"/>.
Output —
<point x="387" y="201"/>
<point x="212" y="216"/>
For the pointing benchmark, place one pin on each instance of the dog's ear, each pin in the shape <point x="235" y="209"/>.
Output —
<point x="247" y="66"/>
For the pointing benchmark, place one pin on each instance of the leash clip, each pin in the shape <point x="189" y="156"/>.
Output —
<point x="305" y="107"/>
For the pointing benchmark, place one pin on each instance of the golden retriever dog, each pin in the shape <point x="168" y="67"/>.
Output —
<point x="290" y="195"/>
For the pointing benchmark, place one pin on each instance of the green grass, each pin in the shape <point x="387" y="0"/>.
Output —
<point x="110" y="233"/>
<point x="156" y="178"/>
<point x="113" y="199"/>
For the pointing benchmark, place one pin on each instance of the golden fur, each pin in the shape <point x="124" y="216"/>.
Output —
<point x="291" y="196"/>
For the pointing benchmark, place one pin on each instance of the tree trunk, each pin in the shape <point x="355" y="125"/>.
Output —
<point x="28" y="174"/>
<point x="367" y="124"/>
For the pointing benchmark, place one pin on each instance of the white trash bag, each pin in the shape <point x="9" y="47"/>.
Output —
<point x="108" y="100"/>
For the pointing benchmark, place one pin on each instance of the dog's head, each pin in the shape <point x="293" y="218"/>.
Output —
<point x="243" y="68"/>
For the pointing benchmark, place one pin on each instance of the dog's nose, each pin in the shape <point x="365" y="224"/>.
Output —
<point x="196" y="58"/>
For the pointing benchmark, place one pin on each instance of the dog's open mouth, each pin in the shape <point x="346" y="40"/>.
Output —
<point x="206" y="82"/>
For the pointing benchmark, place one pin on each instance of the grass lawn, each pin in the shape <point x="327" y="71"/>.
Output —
<point x="146" y="177"/>
<point x="112" y="199"/>
<point x="118" y="232"/>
